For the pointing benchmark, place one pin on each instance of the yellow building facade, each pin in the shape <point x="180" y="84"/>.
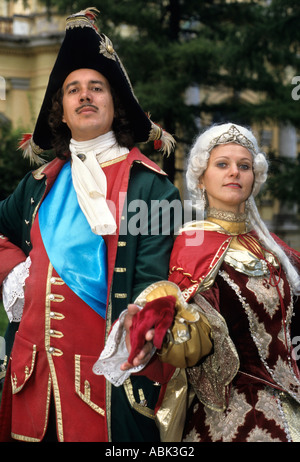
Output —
<point x="29" y="42"/>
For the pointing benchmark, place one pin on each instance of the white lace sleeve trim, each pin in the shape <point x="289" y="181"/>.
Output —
<point x="114" y="354"/>
<point x="13" y="291"/>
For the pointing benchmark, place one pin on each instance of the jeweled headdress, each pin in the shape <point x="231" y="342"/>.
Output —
<point x="232" y="135"/>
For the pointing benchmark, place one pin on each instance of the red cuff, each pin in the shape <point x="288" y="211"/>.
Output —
<point x="10" y="256"/>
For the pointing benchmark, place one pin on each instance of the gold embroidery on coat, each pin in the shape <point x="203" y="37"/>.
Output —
<point x="56" y="333"/>
<point x="49" y="315"/>
<point x="27" y="373"/>
<point x="113" y="161"/>
<point x="27" y="439"/>
<point x="56" y="316"/>
<point x="139" y="407"/>
<point x="120" y="295"/>
<point x="108" y="385"/>
<point x="56" y="298"/>
<point x="86" y="396"/>
<point x="57" y="281"/>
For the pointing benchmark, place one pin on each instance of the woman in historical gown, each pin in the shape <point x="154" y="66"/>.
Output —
<point x="245" y="282"/>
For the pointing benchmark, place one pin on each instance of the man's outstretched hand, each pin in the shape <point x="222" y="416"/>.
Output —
<point x="144" y="354"/>
<point x="146" y="328"/>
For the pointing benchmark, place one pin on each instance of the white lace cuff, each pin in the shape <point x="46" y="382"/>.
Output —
<point x="13" y="291"/>
<point x="114" y="354"/>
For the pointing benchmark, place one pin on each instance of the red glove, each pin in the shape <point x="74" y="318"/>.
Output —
<point x="157" y="314"/>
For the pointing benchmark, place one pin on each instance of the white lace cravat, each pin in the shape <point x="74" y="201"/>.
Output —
<point x="90" y="182"/>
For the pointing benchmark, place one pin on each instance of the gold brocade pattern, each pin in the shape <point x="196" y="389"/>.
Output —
<point x="232" y="252"/>
<point x="225" y="424"/>
<point x="229" y="222"/>
<point x="242" y="259"/>
<point x="248" y="389"/>
<point x="211" y="378"/>
<point x="266" y="294"/>
<point x="292" y="414"/>
<point x="281" y="371"/>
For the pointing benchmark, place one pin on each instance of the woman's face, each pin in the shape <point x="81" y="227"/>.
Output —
<point x="228" y="178"/>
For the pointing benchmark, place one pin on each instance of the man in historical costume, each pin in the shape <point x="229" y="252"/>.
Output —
<point x="70" y="231"/>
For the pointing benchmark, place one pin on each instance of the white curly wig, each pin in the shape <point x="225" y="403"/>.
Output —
<point x="197" y="164"/>
<point x="224" y="134"/>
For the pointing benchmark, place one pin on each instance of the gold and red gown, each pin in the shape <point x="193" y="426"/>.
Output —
<point x="248" y="388"/>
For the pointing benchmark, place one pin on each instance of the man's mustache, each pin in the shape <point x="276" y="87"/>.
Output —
<point x="86" y="105"/>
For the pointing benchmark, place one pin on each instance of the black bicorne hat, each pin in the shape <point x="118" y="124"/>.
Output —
<point x="85" y="47"/>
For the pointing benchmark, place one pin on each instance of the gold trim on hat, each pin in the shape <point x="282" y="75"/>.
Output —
<point x="81" y="19"/>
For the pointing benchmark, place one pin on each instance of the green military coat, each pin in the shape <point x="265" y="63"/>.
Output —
<point x="148" y="206"/>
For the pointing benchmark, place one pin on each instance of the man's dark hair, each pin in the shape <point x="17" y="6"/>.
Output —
<point x="61" y="134"/>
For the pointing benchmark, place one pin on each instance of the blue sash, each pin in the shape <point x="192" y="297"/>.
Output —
<point x="77" y="254"/>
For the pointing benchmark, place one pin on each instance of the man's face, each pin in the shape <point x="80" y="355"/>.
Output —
<point x="88" y="107"/>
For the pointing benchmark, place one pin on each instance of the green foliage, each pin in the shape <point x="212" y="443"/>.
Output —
<point x="177" y="43"/>
<point x="3" y="320"/>
<point x="231" y="47"/>
<point x="12" y="165"/>
<point x="283" y="182"/>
